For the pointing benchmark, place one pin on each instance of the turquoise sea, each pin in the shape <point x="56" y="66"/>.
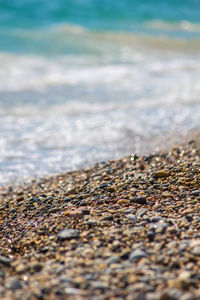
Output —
<point x="89" y="80"/>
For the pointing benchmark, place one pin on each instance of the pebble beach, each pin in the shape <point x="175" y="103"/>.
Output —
<point x="124" y="229"/>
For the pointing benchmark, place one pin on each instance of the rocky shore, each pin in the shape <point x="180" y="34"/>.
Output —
<point x="125" y="229"/>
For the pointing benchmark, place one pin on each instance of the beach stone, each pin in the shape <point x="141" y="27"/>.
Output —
<point x="131" y="217"/>
<point x="130" y="211"/>
<point x="137" y="255"/>
<point x="139" y="200"/>
<point x="196" y="251"/>
<point x="183" y="280"/>
<point x="13" y="283"/>
<point x="67" y="199"/>
<point x="35" y="200"/>
<point x="171" y="294"/>
<point x="195" y="193"/>
<point x="160" y="227"/>
<point x="183" y="245"/>
<point x="5" y="261"/>
<point x="113" y="260"/>
<point x="91" y="222"/>
<point x="155" y="219"/>
<point x="141" y="212"/>
<point x="49" y="198"/>
<point x="151" y="235"/>
<point x="98" y="285"/>
<point x="20" y="268"/>
<point x="68" y="234"/>
<point x="72" y="291"/>
<point x="188" y="296"/>
<point x="161" y="174"/>
<point x="123" y="201"/>
<point x="189" y="218"/>
<point x="2" y="275"/>
<point x="76" y="214"/>
<point x="107" y="218"/>
<point x="151" y="296"/>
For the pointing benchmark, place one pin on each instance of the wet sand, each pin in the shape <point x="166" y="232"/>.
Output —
<point x="123" y="229"/>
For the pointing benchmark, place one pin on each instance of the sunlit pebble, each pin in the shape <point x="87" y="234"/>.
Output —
<point x="25" y="278"/>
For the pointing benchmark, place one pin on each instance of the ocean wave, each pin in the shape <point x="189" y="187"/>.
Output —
<point x="173" y="26"/>
<point x="137" y="59"/>
<point x="70" y="39"/>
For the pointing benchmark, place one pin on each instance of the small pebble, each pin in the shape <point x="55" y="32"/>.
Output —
<point x="5" y="261"/>
<point x="13" y="284"/>
<point x="113" y="260"/>
<point x="68" y="234"/>
<point x="140" y="200"/>
<point x="195" y="193"/>
<point x="137" y="255"/>
<point x="131" y="217"/>
<point x="160" y="227"/>
<point x="196" y="251"/>
<point x="161" y="174"/>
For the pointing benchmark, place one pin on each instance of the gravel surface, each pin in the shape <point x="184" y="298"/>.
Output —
<point x="125" y="229"/>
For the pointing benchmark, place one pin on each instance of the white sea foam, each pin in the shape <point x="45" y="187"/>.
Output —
<point x="59" y="112"/>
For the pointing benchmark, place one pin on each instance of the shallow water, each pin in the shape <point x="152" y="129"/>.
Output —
<point x="93" y="80"/>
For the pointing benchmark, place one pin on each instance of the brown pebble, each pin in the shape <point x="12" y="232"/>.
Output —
<point x="161" y="174"/>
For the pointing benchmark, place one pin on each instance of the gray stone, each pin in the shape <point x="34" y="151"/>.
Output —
<point x="13" y="283"/>
<point x="155" y="219"/>
<point x="141" y="212"/>
<point x="183" y="245"/>
<point x="131" y="217"/>
<point x="72" y="291"/>
<point x="98" y="285"/>
<point x="5" y="261"/>
<point x="195" y="193"/>
<point x="137" y="255"/>
<point x="2" y="274"/>
<point x="196" y="251"/>
<point x="113" y="260"/>
<point x="68" y="234"/>
<point x="130" y="211"/>
<point x="160" y="227"/>
<point x="50" y="198"/>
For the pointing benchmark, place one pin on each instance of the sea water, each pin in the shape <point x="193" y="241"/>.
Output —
<point x="89" y="80"/>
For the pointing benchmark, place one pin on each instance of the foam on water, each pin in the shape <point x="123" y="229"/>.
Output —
<point x="93" y="89"/>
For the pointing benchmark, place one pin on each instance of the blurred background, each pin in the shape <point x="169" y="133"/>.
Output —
<point x="89" y="80"/>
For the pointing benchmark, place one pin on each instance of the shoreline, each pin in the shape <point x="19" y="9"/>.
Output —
<point x="122" y="229"/>
<point x="145" y="146"/>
